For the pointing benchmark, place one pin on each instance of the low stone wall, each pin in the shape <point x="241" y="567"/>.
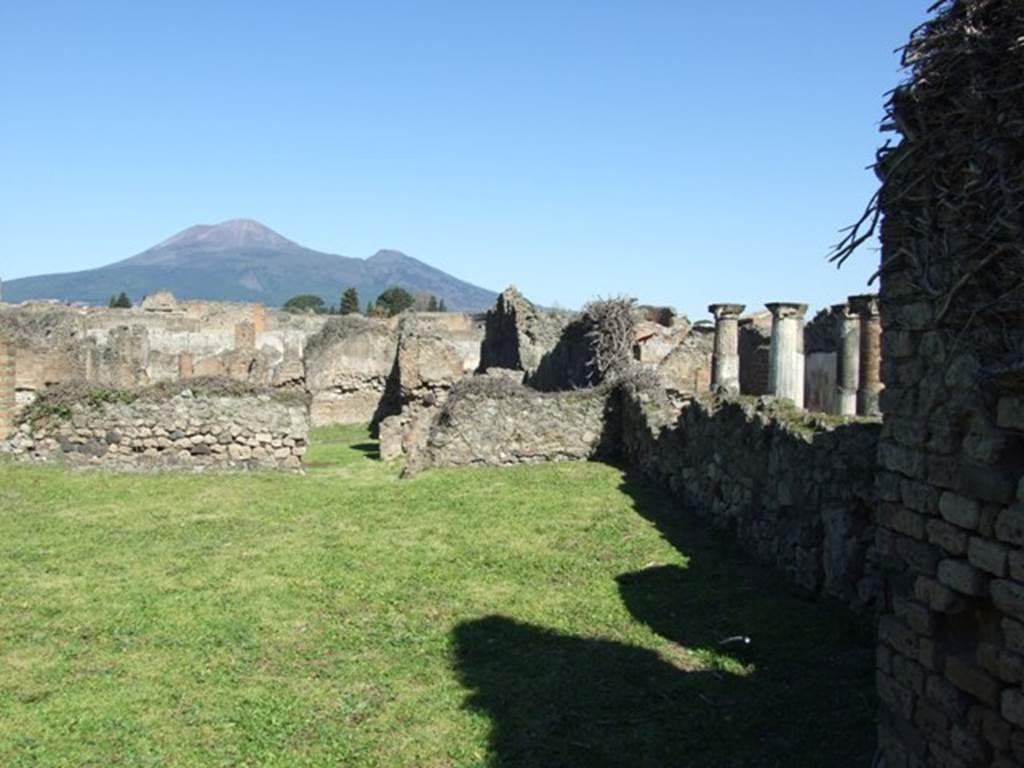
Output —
<point x="153" y="430"/>
<point x="495" y="421"/>
<point x="795" y="491"/>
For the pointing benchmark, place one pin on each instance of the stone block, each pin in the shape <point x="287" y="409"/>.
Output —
<point x="899" y="637"/>
<point x="964" y="578"/>
<point x="1016" y="565"/>
<point x="1012" y="706"/>
<point x="915" y="615"/>
<point x="933" y="722"/>
<point x="938" y="596"/>
<point x="968" y="746"/>
<point x="899" y="699"/>
<point x="1009" y="598"/>
<point x="1010" y="525"/>
<point x="987" y="555"/>
<point x="959" y="510"/>
<point x="1013" y="634"/>
<point x="919" y="496"/>
<point x="951" y="538"/>
<point x="1010" y="413"/>
<point x="972" y="680"/>
<point x="1000" y="663"/>
<point x="987" y="483"/>
<point x="901" y="519"/>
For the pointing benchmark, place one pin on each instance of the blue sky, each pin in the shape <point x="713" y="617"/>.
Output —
<point x="681" y="152"/>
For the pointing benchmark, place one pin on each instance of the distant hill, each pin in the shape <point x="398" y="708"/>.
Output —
<point x="242" y="260"/>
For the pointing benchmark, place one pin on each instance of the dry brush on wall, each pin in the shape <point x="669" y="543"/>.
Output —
<point x="951" y="509"/>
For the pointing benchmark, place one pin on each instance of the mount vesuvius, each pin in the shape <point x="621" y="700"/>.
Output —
<point x="243" y="260"/>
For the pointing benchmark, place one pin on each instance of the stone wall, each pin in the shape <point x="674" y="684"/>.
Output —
<point x="491" y="420"/>
<point x="348" y="365"/>
<point x="149" y="430"/>
<point x="7" y="397"/>
<point x="795" y="491"/>
<point x="162" y="341"/>
<point x="951" y="459"/>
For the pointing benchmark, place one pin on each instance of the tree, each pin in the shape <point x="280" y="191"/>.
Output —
<point x="349" y="302"/>
<point x="395" y="300"/>
<point x="441" y="307"/>
<point x="432" y="304"/>
<point x="305" y="303"/>
<point x="121" y="301"/>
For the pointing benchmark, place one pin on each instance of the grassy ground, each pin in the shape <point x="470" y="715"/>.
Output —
<point x="544" y="616"/>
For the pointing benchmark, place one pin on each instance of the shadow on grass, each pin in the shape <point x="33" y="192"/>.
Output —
<point x="801" y="693"/>
<point x="369" y="450"/>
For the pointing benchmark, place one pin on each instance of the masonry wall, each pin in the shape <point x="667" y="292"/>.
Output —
<point x="795" y="492"/>
<point x="493" y="421"/>
<point x="950" y="486"/>
<point x="7" y="384"/>
<point x="190" y="431"/>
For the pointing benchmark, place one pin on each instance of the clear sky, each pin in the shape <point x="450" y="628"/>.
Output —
<point x="678" y="151"/>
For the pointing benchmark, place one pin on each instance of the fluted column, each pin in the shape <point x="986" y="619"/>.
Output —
<point x="785" y="377"/>
<point x="725" y="365"/>
<point x="847" y="359"/>
<point x="869" y="383"/>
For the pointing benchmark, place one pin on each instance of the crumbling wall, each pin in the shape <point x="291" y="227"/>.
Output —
<point x="950" y="486"/>
<point x="686" y="368"/>
<point x="491" y="420"/>
<point x="8" y="403"/>
<point x="161" y="341"/>
<point x="208" y="427"/>
<point x="347" y="366"/>
<point x="795" y="491"/>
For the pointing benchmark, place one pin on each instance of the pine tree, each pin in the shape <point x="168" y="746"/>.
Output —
<point x="350" y="302"/>
<point x="432" y="304"/>
<point x="441" y="307"/>
<point x="121" y="301"/>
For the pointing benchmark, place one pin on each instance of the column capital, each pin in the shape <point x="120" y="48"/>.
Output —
<point x="785" y="309"/>
<point x="865" y="304"/>
<point x="843" y="310"/>
<point x="726" y="310"/>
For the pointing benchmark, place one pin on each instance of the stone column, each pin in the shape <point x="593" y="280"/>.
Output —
<point x="847" y="359"/>
<point x="869" y="381"/>
<point x="785" y="376"/>
<point x="8" y="403"/>
<point x="725" y="363"/>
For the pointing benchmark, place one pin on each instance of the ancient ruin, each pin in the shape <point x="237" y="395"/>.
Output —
<point x="873" y="454"/>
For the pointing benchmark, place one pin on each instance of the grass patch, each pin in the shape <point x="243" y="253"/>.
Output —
<point x="541" y="615"/>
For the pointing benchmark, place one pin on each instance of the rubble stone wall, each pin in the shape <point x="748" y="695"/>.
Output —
<point x="110" y="430"/>
<point x="493" y="421"/>
<point x="7" y="398"/>
<point x="795" y="491"/>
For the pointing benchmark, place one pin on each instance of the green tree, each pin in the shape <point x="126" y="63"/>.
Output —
<point x="441" y="307"/>
<point x="305" y="303"/>
<point x="121" y="301"/>
<point x="349" y="302"/>
<point x="395" y="300"/>
<point x="432" y="304"/>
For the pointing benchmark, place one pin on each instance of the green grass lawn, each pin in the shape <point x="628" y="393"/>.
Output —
<point x="542" y="616"/>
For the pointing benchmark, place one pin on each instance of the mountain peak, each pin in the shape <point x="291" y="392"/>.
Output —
<point x="233" y="233"/>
